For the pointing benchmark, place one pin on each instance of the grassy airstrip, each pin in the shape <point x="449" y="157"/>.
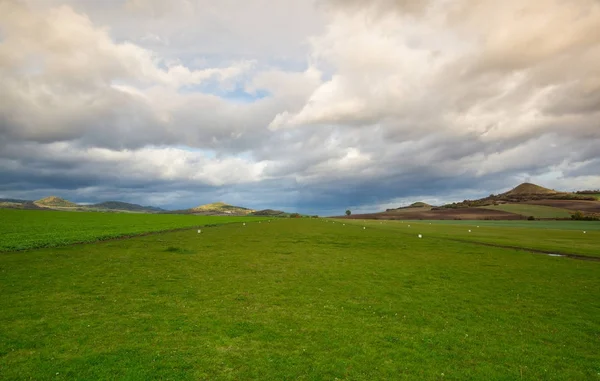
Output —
<point x="303" y="299"/>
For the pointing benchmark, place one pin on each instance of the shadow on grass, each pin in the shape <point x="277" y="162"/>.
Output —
<point x="178" y="250"/>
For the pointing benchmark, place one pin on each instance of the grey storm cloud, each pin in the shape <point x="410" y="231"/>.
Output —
<point x="309" y="106"/>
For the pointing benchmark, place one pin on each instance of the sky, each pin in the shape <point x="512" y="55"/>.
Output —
<point x="299" y="105"/>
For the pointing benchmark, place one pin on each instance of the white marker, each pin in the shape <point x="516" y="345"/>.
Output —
<point x="408" y="225"/>
<point x="584" y="232"/>
<point x="420" y="236"/>
<point x="244" y="224"/>
<point x="199" y="231"/>
<point x="364" y="228"/>
<point x="469" y="230"/>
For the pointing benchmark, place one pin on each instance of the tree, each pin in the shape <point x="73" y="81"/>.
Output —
<point x="348" y="212"/>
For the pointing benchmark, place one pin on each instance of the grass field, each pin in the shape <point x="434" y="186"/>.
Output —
<point x="298" y="299"/>
<point x="564" y="237"/>
<point x="27" y="229"/>
<point x="537" y="211"/>
<point x="538" y="225"/>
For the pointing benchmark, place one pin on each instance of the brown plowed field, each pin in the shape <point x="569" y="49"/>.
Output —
<point x="443" y="214"/>
<point x="584" y="206"/>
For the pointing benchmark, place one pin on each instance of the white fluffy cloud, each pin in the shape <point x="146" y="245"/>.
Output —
<point x="315" y="105"/>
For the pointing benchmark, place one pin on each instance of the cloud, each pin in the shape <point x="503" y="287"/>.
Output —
<point x="306" y="106"/>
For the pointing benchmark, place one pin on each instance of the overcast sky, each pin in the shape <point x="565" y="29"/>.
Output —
<point x="309" y="106"/>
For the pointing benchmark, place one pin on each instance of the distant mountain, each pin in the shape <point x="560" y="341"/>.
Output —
<point x="217" y="208"/>
<point x="14" y="200"/>
<point x="119" y="205"/>
<point x="529" y="189"/>
<point x="14" y="203"/>
<point x="55" y="202"/>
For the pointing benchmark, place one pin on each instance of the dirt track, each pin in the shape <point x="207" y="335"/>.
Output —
<point x="445" y="214"/>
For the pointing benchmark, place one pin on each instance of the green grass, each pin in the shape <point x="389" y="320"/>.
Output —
<point x="544" y="225"/>
<point x="564" y="237"/>
<point x="27" y="229"/>
<point x="297" y="299"/>
<point x="537" y="211"/>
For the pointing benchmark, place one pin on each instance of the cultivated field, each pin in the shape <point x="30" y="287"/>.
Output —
<point x="27" y="229"/>
<point x="307" y="299"/>
<point x="586" y="206"/>
<point x="537" y="211"/>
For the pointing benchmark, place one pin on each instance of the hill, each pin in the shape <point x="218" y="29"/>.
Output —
<point x="523" y="201"/>
<point x="55" y="202"/>
<point x="119" y="205"/>
<point x="14" y="200"/>
<point x="529" y="189"/>
<point x="523" y="193"/>
<point x="419" y="205"/>
<point x="219" y="208"/>
<point x="415" y="206"/>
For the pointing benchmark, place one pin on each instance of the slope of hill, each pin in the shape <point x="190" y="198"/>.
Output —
<point x="536" y="211"/>
<point x="572" y="205"/>
<point x="415" y="206"/>
<point x="119" y="205"/>
<point x="55" y="202"/>
<point x="270" y="213"/>
<point x="219" y="208"/>
<point x="439" y="214"/>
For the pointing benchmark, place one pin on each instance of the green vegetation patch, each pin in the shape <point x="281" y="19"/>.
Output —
<point x="28" y="229"/>
<point x="297" y="299"/>
<point x="596" y="195"/>
<point x="537" y="211"/>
